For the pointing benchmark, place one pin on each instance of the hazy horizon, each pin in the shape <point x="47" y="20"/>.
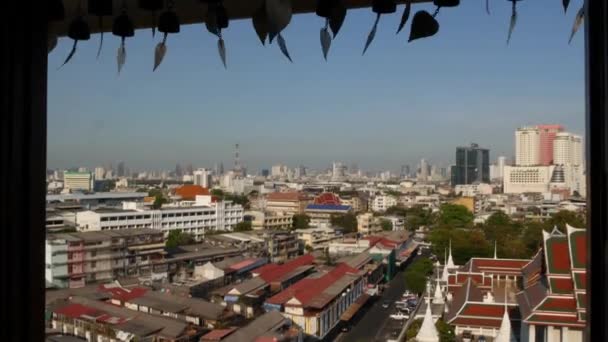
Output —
<point x="397" y="104"/>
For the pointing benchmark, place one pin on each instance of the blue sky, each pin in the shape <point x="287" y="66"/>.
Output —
<point x="398" y="103"/>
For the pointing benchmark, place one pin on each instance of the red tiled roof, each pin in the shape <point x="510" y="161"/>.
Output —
<point x="374" y="240"/>
<point x="558" y="304"/>
<point x="327" y="198"/>
<point x="242" y="264"/>
<point x="274" y="273"/>
<point x="484" y="310"/>
<point x="123" y="294"/>
<point x="552" y="319"/>
<point x="76" y="310"/>
<point x="265" y="268"/>
<point x="292" y="196"/>
<point x="217" y="334"/>
<point x="561" y="285"/>
<point x="578" y="248"/>
<point x="477" y="322"/>
<point x="189" y="192"/>
<point x="557" y="251"/>
<point x="498" y="266"/>
<point x="306" y="289"/>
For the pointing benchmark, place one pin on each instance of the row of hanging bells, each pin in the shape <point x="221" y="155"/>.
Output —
<point x="269" y="20"/>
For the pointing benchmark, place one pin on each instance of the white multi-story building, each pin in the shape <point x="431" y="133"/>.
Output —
<point x="338" y="171"/>
<point x="520" y="179"/>
<point x="398" y="223"/>
<point x="278" y="171"/>
<point x="367" y="223"/>
<point x="567" y="149"/>
<point x="202" y="177"/>
<point x="472" y="190"/>
<point x="383" y="202"/>
<point x="195" y="217"/>
<point x="82" y="181"/>
<point x="100" y="173"/>
<point x="527" y="146"/>
<point x="497" y="170"/>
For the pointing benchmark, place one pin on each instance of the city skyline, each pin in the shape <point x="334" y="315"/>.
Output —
<point x="312" y="112"/>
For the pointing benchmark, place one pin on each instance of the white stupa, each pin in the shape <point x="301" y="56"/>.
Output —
<point x="438" y="297"/>
<point x="444" y="275"/>
<point x="428" y="331"/>
<point x="495" y="254"/>
<point x="450" y="263"/>
<point x="504" y="333"/>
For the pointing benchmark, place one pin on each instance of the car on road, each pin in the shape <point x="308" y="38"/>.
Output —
<point x="482" y="339"/>
<point x="345" y="328"/>
<point x="386" y="304"/>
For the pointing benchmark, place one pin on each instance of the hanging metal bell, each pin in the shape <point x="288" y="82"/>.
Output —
<point x="446" y="3"/>
<point x="79" y="29"/>
<point x="123" y="26"/>
<point x="423" y="25"/>
<point x="168" y="22"/>
<point x="151" y="5"/>
<point x="100" y="8"/>
<point x="56" y="11"/>
<point x="384" y="6"/>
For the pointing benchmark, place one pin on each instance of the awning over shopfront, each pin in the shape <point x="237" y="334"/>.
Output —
<point x="354" y="308"/>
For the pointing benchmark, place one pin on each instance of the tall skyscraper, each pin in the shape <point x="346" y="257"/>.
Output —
<point x="527" y="146"/>
<point x="238" y="168"/>
<point x="120" y="169"/>
<point x="405" y="171"/>
<point x="338" y="171"/>
<point x="497" y="170"/>
<point x="202" y="177"/>
<point x="179" y="172"/>
<point x="472" y="165"/>
<point x="100" y="173"/>
<point x="547" y="135"/>
<point x="567" y="149"/>
<point x="424" y="170"/>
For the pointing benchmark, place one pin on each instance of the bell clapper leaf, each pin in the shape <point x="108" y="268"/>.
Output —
<point x="336" y="18"/>
<point x="260" y="23"/>
<point x="159" y="52"/>
<point x="405" y="16"/>
<point x="283" y="46"/>
<point x="121" y="56"/>
<point x="70" y="55"/>
<point x="578" y="21"/>
<point x="488" y="7"/>
<point x="513" y="20"/>
<point x="372" y="34"/>
<point x="100" y="18"/>
<point x="325" y="39"/>
<point x="221" y="47"/>
<point x="565" y="3"/>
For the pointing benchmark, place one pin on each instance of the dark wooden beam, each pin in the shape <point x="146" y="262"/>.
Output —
<point x="188" y="11"/>
<point x="596" y="41"/>
<point x="23" y="70"/>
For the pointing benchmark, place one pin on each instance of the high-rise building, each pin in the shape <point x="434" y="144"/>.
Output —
<point x="472" y="165"/>
<point x="338" y="171"/>
<point x="100" y="173"/>
<point x="265" y="173"/>
<point x="527" y="146"/>
<point x="405" y="171"/>
<point x="567" y="149"/>
<point x="278" y="170"/>
<point x="423" y="172"/>
<point x="179" y="172"/>
<point x="120" y="169"/>
<point x="202" y="177"/>
<point x="82" y="181"/>
<point x="547" y="135"/>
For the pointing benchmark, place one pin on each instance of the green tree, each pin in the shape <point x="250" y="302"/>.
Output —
<point x="243" y="226"/>
<point x="563" y="217"/>
<point x="416" y="274"/>
<point x="178" y="238"/>
<point x="396" y="211"/>
<point x="300" y="221"/>
<point x="386" y="225"/>
<point x="413" y="329"/>
<point x="455" y="215"/>
<point x="418" y="216"/>
<point x="346" y="221"/>
<point x="217" y="193"/>
<point x="158" y="202"/>
<point x="446" y="331"/>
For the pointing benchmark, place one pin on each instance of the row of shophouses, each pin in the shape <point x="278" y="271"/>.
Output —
<point x="542" y="299"/>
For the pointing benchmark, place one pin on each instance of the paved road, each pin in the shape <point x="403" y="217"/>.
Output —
<point x="374" y="323"/>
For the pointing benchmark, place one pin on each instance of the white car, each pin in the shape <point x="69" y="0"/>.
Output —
<point x="399" y="316"/>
